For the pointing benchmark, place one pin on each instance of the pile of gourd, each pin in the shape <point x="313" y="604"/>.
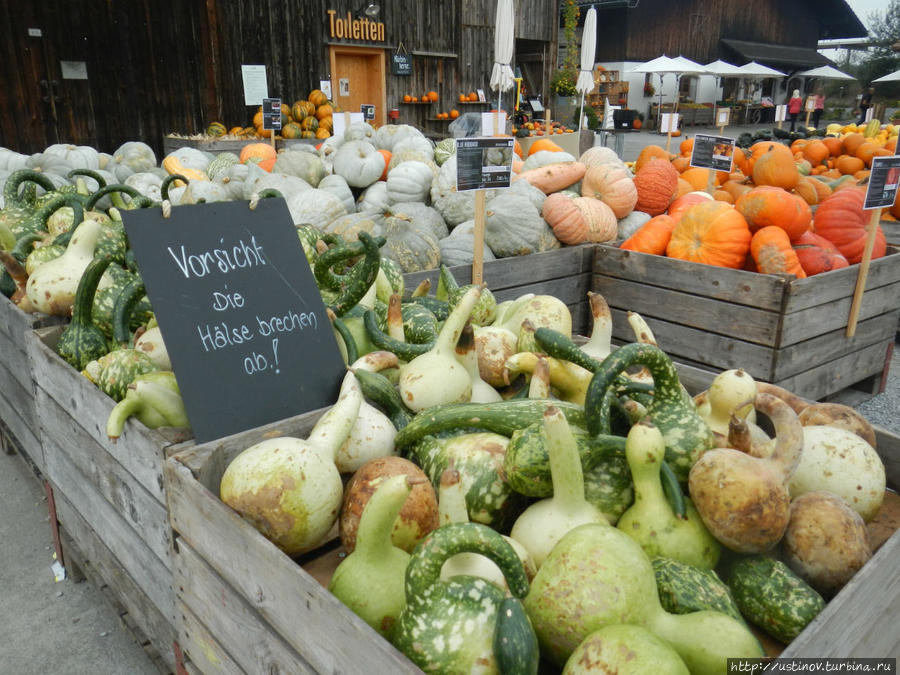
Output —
<point x="515" y="498"/>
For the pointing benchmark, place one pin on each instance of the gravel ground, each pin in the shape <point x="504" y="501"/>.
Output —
<point x="884" y="409"/>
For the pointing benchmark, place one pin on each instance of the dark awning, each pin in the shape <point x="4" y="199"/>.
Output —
<point x="782" y="57"/>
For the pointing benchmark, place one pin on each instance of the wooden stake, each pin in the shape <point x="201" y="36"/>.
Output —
<point x="272" y="138"/>
<point x="871" y="230"/>
<point x="711" y="182"/>
<point x="478" y="244"/>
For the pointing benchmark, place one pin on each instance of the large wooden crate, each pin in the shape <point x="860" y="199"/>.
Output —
<point x="109" y="496"/>
<point x="243" y="606"/>
<point x="17" y="409"/>
<point x="564" y="273"/>
<point x="783" y="330"/>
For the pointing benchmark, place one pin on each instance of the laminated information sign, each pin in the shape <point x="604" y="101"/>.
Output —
<point x="883" y="181"/>
<point x="712" y="152"/>
<point x="483" y="163"/>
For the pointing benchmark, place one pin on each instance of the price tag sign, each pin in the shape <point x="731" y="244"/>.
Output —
<point x="272" y="114"/>
<point x="780" y="113"/>
<point x="368" y="111"/>
<point x="256" y="88"/>
<point x="240" y="312"/>
<point x="669" y="122"/>
<point x="723" y="115"/>
<point x="712" y="152"/>
<point x="483" y="163"/>
<point x="883" y="181"/>
<point x="340" y="121"/>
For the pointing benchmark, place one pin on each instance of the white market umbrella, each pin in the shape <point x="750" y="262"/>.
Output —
<point x="722" y="69"/>
<point x="502" y="78"/>
<point x="825" y="73"/>
<point x="585" y="82"/>
<point x="890" y="77"/>
<point x="662" y="66"/>
<point x="754" y="69"/>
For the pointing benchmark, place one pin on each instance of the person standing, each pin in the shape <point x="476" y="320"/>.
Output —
<point x="818" y="110"/>
<point x="864" y="104"/>
<point x="794" y="105"/>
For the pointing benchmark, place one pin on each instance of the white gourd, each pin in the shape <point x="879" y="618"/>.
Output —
<point x="409" y="182"/>
<point x="337" y="186"/>
<point x="314" y="207"/>
<point x="374" y="198"/>
<point x="359" y="163"/>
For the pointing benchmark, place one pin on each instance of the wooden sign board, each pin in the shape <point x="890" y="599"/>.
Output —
<point x="243" y="321"/>
<point x="483" y="163"/>
<point x="712" y="152"/>
<point x="723" y="117"/>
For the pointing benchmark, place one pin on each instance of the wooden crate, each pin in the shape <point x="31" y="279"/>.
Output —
<point x="242" y="605"/>
<point x="235" y="145"/>
<point x="17" y="409"/>
<point x="564" y="273"/>
<point x="779" y="329"/>
<point x="109" y="496"/>
<point x="245" y="607"/>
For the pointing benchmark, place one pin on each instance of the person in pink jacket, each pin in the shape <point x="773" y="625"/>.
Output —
<point x="795" y="104"/>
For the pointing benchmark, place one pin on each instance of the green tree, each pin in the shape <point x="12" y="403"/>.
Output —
<point x="882" y="57"/>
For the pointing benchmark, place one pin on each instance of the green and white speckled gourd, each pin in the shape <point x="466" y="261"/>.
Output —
<point x="452" y="509"/>
<point x="544" y="523"/>
<point x="685" y="433"/>
<point x="598" y="576"/>
<point x="467" y="355"/>
<point x="154" y="399"/>
<point x="370" y="581"/>
<point x="449" y="626"/>
<point x="113" y="372"/>
<point x="289" y="488"/>
<point x="650" y="521"/>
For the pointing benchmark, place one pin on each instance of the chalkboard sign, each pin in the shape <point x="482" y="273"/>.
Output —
<point x="401" y="64"/>
<point x="243" y="321"/>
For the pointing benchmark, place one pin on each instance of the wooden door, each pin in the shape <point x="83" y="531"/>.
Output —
<point x="357" y="77"/>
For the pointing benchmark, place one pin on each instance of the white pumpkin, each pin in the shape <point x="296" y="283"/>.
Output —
<point x="327" y="150"/>
<point x="10" y="160"/>
<point x="314" y="207"/>
<point x="600" y="155"/>
<point x="54" y="167"/>
<point x="359" y="163"/>
<point x="147" y="183"/>
<point x="302" y="164"/>
<point x="133" y="157"/>
<point x="205" y="191"/>
<point x="233" y="177"/>
<point x="458" y="247"/>
<point x="79" y="156"/>
<point x="543" y="158"/>
<point x="359" y="131"/>
<point x="192" y="158"/>
<point x="374" y="198"/>
<point x="420" y="214"/>
<point x="414" y="143"/>
<point x="337" y="186"/>
<point x="513" y="226"/>
<point x="350" y="225"/>
<point x="455" y="207"/>
<point x="535" y="195"/>
<point x="389" y="134"/>
<point x="410" y="182"/>
<point x="288" y="186"/>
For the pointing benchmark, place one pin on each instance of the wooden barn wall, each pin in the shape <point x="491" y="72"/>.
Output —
<point x="153" y="71"/>
<point x="693" y="28"/>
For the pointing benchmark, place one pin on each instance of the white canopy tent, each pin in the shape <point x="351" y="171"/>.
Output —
<point x="890" y="77"/>
<point x="825" y="73"/>
<point x="665" y="65"/>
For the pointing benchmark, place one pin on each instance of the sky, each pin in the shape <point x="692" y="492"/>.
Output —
<point x="863" y="8"/>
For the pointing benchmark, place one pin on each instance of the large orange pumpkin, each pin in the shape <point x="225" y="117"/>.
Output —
<point x="324" y="110"/>
<point x="656" y="183"/>
<point x="851" y="142"/>
<point x="764" y="206"/>
<point x="760" y="148"/>
<point x="815" y="151"/>
<point x="683" y="202"/>
<point x="772" y="253"/>
<point x="776" y="168"/>
<point x="841" y="220"/>
<point x="816" y="254"/>
<point x="834" y="145"/>
<point x="651" y="237"/>
<point x="713" y="233"/>
<point x="649" y="152"/>
<point x="565" y="218"/>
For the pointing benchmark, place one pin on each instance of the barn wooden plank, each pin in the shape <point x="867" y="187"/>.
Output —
<point x="762" y="291"/>
<point x="828" y="346"/>
<point x="68" y="447"/>
<point x="251" y="644"/>
<point x="706" y="313"/>
<point x="127" y="549"/>
<point x="98" y="561"/>
<point x="265" y="577"/>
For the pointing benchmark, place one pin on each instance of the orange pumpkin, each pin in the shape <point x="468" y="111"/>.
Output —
<point x="760" y="148"/>
<point x="683" y="188"/>
<point x="772" y="253"/>
<point x="683" y="202"/>
<point x="849" y="165"/>
<point x="651" y="237"/>
<point x="713" y="233"/>
<point x="681" y="164"/>
<point x="261" y="153"/>
<point x="324" y="110"/>
<point x="739" y="158"/>
<point x="317" y="97"/>
<point x="777" y="169"/>
<point x="387" y="154"/>
<point x="649" y="152"/>
<point x="723" y="196"/>
<point x="736" y="188"/>
<point x="815" y="151"/>
<point x="686" y="147"/>
<point x="766" y="206"/>
<point x="637" y="124"/>
<point x="565" y="218"/>
<point x="544" y="144"/>
<point x="298" y="111"/>
<point x="841" y="219"/>
<point x="656" y="183"/>
<point x="834" y="145"/>
<point x="816" y="254"/>
<point x="322" y="132"/>
<point x="432" y="96"/>
<point x="851" y="142"/>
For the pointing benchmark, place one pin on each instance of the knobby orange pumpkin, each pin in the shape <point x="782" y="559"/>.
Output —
<point x="764" y="206"/>
<point x="713" y="233"/>
<point x="651" y="237"/>
<point x="776" y="168"/>
<point x="841" y="219"/>
<point x="772" y="253"/>
<point x="656" y="183"/>
<point x="816" y="254"/>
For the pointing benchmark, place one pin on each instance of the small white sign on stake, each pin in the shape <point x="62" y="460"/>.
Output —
<point x="780" y="113"/>
<point x="256" y="87"/>
<point x="669" y="122"/>
<point x="869" y="113"/>
<point x="489" y="120"/>
<point x="339" y="121"/>
<point x="810" y="104"/>
<point x="325" y="87"/>
<point x="723" y="116"/>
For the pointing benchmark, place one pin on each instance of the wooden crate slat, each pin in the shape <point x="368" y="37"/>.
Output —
<point x="17" y="410"/>
<point x="139" y="449"/>
<point x="201" y="648"/>
<point x="689" y="343"/>
<point x="128" y="550"/>
<point x="12" y="346"/>
<point x="68" y="447"/>
<point x="762" y="291"/>
<point x="825" y="288"/>
<point x="569" y="290"/>
<point x="814" y="321"/>
<point x="265" y="578"/>
<point x="252" y="645"/>
<point x="696" y="311"/>
<point x="861" y="620"/>
<point x="829" y="346"/>
<point x="839" y="373"/>
<point x="157" y="627"/>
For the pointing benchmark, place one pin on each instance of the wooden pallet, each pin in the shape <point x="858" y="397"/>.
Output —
<point x="17" y="411"/>
<point x="779" y="329"/>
